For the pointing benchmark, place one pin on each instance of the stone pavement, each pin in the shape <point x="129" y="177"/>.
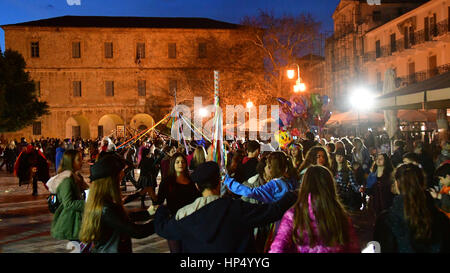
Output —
<point x="25" y="220"/>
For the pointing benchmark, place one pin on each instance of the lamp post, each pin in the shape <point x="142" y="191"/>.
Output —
<point x="299" y="86"/>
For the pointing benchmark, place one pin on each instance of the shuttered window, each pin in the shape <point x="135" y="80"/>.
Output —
<point x="35" y="49"/>
<point x="109" y="86"/>
<point x="202" y="50"/>
<point x="172" y="50"/>
<point x="108" y="50"/>
<point x="76" y="50"/>
<point x="393" y="43"/>
<point x="37" y="128"/>
<point x="140" y="51"/>
<point x="378" y="49"/>
<point x="77" y="88"/>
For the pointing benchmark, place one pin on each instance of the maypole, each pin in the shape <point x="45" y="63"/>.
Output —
<point x="217" y="138"/>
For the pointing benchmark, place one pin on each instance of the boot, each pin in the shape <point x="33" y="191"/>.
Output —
<point x="131" y="197"/>
<point x="35" y="190"/>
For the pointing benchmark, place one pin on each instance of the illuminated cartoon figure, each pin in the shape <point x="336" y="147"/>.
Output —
<point x="283" y="138"/>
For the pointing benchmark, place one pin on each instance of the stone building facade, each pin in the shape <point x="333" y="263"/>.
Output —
<point x="416" y="45"/>
<point x="344" y="50"/>
<point x="110" y="75"/>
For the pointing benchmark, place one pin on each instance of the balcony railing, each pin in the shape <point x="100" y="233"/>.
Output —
<point x="413" y="39"/>
<point x="414" y="78"/>
<point x="423" y="75"/>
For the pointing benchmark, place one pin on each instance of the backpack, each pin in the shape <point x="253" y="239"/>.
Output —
<point x="53" y="202"/>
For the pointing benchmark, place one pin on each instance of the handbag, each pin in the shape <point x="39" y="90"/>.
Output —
<point x="53" y="202"/>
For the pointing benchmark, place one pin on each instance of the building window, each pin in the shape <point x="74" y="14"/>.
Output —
<point x="76" y="50"/>
<point x="378" y="49"/>
<point x="432" y="66"/>
<point x="393" y="43"/>
<point x="172" y="50"/>
<point x="433" y="25"/>
<point x="77" y="88"/>
<point x="37" y="128"/>
<point x="100" y="131"/>
<point x="109" y="88"/>
<point x="376" y="15"/>
<point x="379" y="82"/>
<point x="427" y="28"/>
<point x="173" y="85"/>
<point x="37" y="88"/>
<point x="140" y="51"/>
<point x="408" y="37"/>
<point x="108" y="50"/>
<point x="35" y="49"/>
<point x="411" y="72"/>
<point x="202" y="50"/>
<point x="141" y="88"/>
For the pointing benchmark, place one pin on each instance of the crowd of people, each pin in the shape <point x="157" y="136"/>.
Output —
<point x="298" y="198"/>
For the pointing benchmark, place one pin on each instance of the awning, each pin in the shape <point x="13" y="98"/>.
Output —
<point x="351" y="117"/>
<point x="433" y="93"/>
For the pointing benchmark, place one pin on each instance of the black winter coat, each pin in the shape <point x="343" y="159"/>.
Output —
<point x="222" y="226"/>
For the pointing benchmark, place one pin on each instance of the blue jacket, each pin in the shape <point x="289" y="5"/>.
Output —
<point x="270" y="192"/>
<point x="371" y="180"/>
<point x="59" y="154"/>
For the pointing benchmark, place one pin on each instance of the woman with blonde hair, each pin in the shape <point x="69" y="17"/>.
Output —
<point x="10" y="156"/>
<point x="198" y="158"/>
<point x="105" y="221"/>
<point x="318" y="222"/>
<point x="69" y="186"/>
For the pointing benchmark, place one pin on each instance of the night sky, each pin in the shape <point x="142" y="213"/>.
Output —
<point x="16" y="11"/>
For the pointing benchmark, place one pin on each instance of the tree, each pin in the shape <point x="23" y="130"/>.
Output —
<point x="19" y="105"/>
<point x="283" y="40"/>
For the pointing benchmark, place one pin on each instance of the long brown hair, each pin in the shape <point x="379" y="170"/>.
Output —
<point x="412" y="184"/>
<point x="388" y="167"/>
<point x="102" y="190"/>
<point x="319" y="187"/>
<point x="172" y="175"/>
<point x="311" y="158"/>
<point x="66" y="164"/>
<point x="299" y="157"/>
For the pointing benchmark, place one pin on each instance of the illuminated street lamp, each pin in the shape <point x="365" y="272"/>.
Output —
<point x="249" y="104"/>
<point x="361" y="99"/>
<point x="299" y="86"/>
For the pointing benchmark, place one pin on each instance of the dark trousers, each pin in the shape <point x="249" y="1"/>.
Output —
<point x="174" y="246"/>
<point x="10" y="166"/>
<point x="35" y="181"/>
<point x="129" y="176"/>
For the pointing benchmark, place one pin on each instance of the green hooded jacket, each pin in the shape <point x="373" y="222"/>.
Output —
<point x="66" y="222"/>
